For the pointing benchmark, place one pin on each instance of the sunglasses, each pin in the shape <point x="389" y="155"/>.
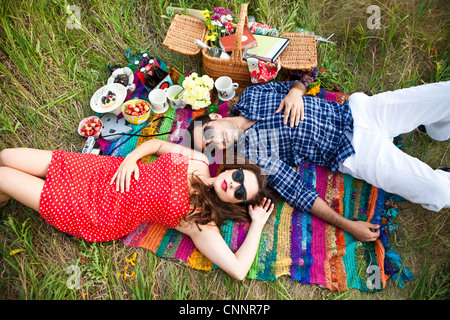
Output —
<point x="208" y="135"/>
<point x="240" y="193"/>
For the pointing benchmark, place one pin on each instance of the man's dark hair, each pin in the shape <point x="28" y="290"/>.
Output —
<point x="199" y="121"/>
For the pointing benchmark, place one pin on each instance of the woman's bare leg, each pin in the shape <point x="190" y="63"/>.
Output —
<point x="32" y="161"/>
<point x="25" y="188"/>
<point x="3" y="198"/>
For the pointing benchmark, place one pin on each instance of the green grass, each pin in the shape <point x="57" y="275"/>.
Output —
<point x="48" y="73"/>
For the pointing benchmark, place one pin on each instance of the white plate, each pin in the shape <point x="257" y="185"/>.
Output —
<point x="96" y="100"/>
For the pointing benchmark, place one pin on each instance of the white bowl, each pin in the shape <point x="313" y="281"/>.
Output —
<point x="126" y="71"/>
<point x="82" y="123"/>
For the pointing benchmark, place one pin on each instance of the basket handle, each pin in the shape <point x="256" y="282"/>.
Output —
<point x="236" y="54"/>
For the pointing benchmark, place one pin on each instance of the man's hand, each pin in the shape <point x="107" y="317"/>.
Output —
<point x="293" y="104"/>
<point x="365" y="231"/>
<point x="361" y="230"/>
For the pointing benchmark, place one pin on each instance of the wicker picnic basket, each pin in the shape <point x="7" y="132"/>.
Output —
<point x="184" y="30"/>
<point x="301" y="53"/>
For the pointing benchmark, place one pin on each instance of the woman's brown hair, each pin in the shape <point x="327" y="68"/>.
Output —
<point x="208" y="207"/>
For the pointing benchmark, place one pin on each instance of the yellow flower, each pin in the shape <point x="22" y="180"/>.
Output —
<point x="438" y="66"/>
<point x="131" y="261"/>
<point x="13" y="252"/>
<point x="205" y="14"/>
<point x="211" y="38"/>
<point x="313" y="91"/>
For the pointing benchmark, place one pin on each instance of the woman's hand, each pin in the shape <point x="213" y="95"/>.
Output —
<point x="260" y="213"/>
<point x="124" y="172"/>
<point x="210" y="242"/>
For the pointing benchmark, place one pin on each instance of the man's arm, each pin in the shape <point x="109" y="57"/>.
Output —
<point x="288" y="183"/>
<point x="361" y="230"/>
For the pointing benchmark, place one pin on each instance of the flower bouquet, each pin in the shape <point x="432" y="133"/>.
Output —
<point x="309" y="79"/>
<point x="218" y="23"/>
<point x="197" y="91"/>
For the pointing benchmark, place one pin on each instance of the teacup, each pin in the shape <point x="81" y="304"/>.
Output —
<point x="175" y="91"/>
<point x="226" y="88"/>
<point x="158" y="100"/>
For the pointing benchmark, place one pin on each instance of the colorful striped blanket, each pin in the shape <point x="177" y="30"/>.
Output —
<point x="293" y="243"/>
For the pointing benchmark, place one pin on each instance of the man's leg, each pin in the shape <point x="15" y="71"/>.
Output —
<point x="401" y="111"/>
<point x="379" y="162"/>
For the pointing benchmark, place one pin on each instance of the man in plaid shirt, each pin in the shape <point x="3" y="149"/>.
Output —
<point x="354" y="138"/>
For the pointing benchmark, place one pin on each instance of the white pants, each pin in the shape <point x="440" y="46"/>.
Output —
<point x="380" y="118"/>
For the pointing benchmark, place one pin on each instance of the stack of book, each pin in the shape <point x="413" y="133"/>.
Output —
<point x="264" y="48"/>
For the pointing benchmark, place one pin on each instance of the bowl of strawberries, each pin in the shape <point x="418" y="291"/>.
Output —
<point x="136" y="111"/>
<point x="90" y="126"/>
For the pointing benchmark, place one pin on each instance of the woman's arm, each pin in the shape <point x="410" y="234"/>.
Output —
<point x="122" y="177"/>
<point x="209" y="241"/>
<point x="160" y="147"/>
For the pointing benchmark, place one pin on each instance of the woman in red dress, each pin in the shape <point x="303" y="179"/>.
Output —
<point x="101" y="198"/>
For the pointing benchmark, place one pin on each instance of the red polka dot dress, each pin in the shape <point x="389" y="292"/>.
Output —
<point x="78" y="198"/>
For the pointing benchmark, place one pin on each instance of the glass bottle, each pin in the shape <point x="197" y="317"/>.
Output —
<point x="149" y="78"/>
<point x="135" y="64"/>
<point x="145" y="58"/>
<point x="213" y="51"/>
<point x="158" y="73"/>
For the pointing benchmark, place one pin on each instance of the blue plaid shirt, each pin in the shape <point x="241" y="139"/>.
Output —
<point x="276" y="147"/>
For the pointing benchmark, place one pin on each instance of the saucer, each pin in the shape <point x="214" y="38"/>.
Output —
<point x="163" y="110"/>
<point x="226" y="99"/>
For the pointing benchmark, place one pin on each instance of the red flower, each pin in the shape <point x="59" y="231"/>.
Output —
<point x="322" y="71"/>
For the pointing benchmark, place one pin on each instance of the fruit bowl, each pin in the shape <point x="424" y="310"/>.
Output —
<point x="136" y="111"/>
<point x="90" y="126"/>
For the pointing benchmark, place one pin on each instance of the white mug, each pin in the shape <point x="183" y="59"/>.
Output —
<point x="173" y="91"/>
<point x="226" y="88"/>
<point x="158" y="100"/>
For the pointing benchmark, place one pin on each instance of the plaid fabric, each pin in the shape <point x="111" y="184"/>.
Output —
<point x="276" y="147"/>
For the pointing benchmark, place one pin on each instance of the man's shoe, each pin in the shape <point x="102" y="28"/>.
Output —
<point x="422" y="128"/>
